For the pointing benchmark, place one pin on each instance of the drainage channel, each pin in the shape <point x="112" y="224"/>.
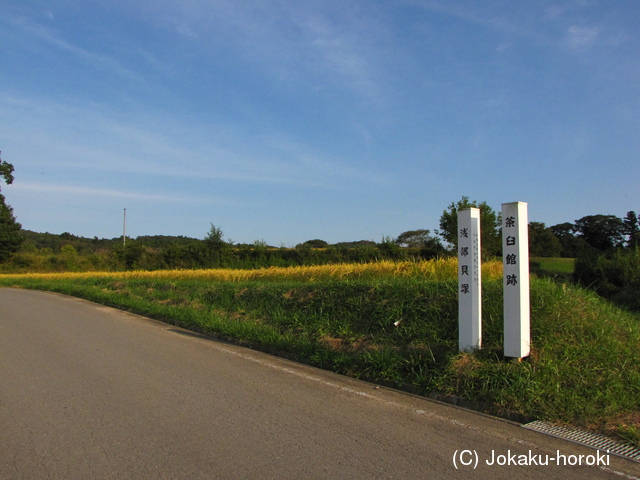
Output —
<point x="593" y="440"/>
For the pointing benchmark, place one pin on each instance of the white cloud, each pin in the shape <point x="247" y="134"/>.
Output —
<point x="185" y="30"/>
<point x="47" y="36"/>
<point x="579" y="37"/>
<point x="72" y="190"/>
<point x="100" y="145"/>
<point x="303" y="42"/>
<point x="344" y="48"/>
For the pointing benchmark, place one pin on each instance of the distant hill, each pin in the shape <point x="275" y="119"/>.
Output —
<point x="86" y="245"/>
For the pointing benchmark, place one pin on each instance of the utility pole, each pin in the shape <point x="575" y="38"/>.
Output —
<point x="124" y="229"/>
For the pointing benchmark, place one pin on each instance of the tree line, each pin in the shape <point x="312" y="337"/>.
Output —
<point x="23" y="250"/>
<point x="590" y="234"/>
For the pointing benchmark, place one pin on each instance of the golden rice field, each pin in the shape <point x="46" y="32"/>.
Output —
<point x="437" y="270"/>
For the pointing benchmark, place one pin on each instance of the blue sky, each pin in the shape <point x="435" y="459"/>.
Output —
<point x="342" y="120"/>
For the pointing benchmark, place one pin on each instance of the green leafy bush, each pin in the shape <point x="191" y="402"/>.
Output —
<point x="614" y="275"/>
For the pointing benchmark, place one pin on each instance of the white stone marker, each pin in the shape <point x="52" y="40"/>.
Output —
<point x="515" y="259"/>
<point x="469" y="280"/>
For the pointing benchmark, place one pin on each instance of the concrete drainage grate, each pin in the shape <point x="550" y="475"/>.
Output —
<point x="588" y="439"/>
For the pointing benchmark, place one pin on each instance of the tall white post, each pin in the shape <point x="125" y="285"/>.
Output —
<point x="469" y="280"/>
<point x="515" y="259"/>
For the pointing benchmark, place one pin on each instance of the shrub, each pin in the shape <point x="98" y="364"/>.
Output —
<point x="614" y="275"/>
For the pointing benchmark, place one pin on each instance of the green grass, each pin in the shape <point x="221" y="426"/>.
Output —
<point x="562" y="268"/>
<point x="584" y="368"/>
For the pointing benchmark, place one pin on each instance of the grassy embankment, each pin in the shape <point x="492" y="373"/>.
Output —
<point x="396" y="323"/>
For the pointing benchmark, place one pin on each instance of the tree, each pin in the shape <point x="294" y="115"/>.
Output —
<point x="69" y="250"/>
<point x="6" y="171"/>
<point x="315" y="243"/>
<point x="214" y="237"/>
<point x="389" y="248"/>
<point x="10" y="238"/>
<point x="632" y="229"/>
<point x="542" y="241"/>
<point x="413" y="238"/>
<point x="570" y="245"/>
<point x="429" y="246"/>
<point x="563" y="230"/>
<point x="490" y="224"/>
<point x="602" y="232"/>
<point x="214" y="246"/>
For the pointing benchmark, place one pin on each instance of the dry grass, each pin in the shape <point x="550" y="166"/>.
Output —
<point x="437" y="270"/>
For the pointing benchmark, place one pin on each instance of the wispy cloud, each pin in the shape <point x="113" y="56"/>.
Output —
<point x="318" y="44"/>
<point x="473" y="13"/>
<point x="579" y="37"/>
<point x="83" y="192"/>
<point x="572" y="24"/>
<point x="345" y="48"/>
<point x="44" y="188"/>
<point x="47" y="36"/>
<point x="62" y="139"/>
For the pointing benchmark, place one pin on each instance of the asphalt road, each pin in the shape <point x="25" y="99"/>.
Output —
<point x="91" y="392"/>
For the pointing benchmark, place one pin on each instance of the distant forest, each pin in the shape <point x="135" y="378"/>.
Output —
<point x="589" y="233"/>
<point x="67" y="252"/>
